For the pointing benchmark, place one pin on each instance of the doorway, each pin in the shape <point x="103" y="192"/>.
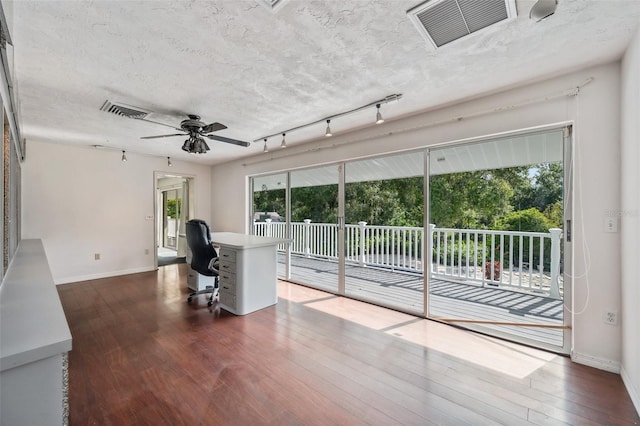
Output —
<point x="174" y="207"/>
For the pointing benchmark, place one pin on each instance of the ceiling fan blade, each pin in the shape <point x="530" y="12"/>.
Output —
<point x="164" y="136"/>
<point x="228" y="140"/>
<point x="157" y="122"/>
<point x="213" y="127"/>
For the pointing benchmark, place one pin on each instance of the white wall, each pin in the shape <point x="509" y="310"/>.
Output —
<point x="82" y="201"/>
<point x="630" y="215"/>
<point x="596" y="113"/>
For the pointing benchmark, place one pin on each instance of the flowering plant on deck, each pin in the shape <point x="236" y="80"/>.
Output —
<point x="492" y="270"/>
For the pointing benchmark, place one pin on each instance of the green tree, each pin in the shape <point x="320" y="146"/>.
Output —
<point x="529" y="220"/>
<point x="469" y="199"/>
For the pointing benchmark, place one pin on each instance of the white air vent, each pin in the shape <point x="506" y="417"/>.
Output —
<point x="124" y="110"/>
<point x="443" y="21"/>
<point x="272" y="5"/>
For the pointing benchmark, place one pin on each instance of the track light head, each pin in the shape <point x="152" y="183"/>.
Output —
<point x="169" y="162"/>
<point x="543" y="9"/>
<point x="283" y="144"/>
<point x="327" y="132"/>
<point x="124" y="157"/>
<point x="266" y="148"/>
<point x="379" y="119"/>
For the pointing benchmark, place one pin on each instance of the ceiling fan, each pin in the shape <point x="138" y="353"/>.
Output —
<point x="196" y="130"/>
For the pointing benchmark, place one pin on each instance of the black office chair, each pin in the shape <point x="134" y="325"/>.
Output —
<point x="204" y="258"/>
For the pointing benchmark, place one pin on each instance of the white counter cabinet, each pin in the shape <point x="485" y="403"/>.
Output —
<point x="34" y="341"/>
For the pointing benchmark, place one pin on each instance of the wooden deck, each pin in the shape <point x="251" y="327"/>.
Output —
<point x="447" y="299"/>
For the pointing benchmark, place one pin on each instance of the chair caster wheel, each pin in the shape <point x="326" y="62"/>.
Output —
<point x="210" y="303"/>
<point x="189" y="299"/>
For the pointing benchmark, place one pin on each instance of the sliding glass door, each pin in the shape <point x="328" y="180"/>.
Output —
<point x="495" y="231"/>
<point x="485" y="249"/>
<point x="315" y="251"/>
<point x="383" y="232"/>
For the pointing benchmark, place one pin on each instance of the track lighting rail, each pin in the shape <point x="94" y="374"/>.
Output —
<point x="390" y="98"/>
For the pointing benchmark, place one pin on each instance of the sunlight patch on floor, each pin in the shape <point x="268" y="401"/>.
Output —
<point x="495" y="354"/>
<point x="298" y="293"/>
<point x="371" y="316"/>
<point x="498" y="355"/>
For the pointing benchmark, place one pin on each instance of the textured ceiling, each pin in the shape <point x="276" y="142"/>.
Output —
<point x="261" y="72"/>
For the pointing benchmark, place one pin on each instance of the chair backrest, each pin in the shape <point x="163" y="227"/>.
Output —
<point x="199" y="240"/>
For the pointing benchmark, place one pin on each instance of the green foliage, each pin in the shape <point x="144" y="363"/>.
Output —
<point x="174" y="207"/>
<point x="454" y="248"/>
<point x="529" y="220"/>
<point x="270" y="201"/>
<point x="395" y="202"/>
<point x="518" y="198"/>
<point x="318" y="203"/>
<point x="553" y="213"/>
<point x="469" y="199"/>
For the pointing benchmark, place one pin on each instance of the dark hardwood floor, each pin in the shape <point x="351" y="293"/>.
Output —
<point x="143" y="356"/>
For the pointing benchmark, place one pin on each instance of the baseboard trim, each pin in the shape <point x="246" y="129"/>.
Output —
<point x="631" y="389"/>
<point x="595" y="362"/>
<point x="67" y="280"/>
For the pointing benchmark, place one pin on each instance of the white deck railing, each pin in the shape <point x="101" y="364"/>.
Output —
<point x="524" y="260"/>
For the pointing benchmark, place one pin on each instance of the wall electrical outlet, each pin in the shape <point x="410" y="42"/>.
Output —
<point x="611" y="224"/>
<point x="96" y="256"/>
<point x="610" y="317"/>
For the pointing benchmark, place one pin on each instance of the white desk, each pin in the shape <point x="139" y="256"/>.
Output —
<point x="248" y="271"/>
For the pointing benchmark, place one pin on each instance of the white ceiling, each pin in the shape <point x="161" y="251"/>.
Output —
<point x="261" y="72"/>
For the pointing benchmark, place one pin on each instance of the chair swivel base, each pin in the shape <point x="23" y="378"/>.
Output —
<point x="207" y="290"/>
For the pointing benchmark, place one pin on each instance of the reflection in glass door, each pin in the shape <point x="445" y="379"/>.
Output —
<point x="384" y="215"/>
<point x="495" y="235"/>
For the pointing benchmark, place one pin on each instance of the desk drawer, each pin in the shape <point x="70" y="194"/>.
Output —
<point x="228" y="255"/>
<point x="227" y="266"/>
<point x="227" y="283"/>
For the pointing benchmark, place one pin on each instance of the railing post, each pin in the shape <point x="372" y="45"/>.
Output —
<point x="361" y="239"/>
<point x="554" y="290"/>
<point x="428" y="257"/>
<point x="307" y="250"/>
<point x="268" y="231"/>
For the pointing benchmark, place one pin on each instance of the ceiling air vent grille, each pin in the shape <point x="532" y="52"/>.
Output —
<point x="124" y="110"/>
<point x="443" y="21"/>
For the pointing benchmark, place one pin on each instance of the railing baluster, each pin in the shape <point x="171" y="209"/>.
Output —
<point x="510" y="259"/>
<point x="541" y="262"/>
<point x="530" y="261"/>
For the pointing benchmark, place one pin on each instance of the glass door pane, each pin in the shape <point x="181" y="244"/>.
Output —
<point x="384" y="216"/>
<point x="314" y="227"/>
<point x="496" y="213"/>
<point x="269" y="213"/>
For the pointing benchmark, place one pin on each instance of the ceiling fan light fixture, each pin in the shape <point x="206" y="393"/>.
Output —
<point x="543" y="9"/>
<point x="186" y="146"/>
<point x="327" y="132"/>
